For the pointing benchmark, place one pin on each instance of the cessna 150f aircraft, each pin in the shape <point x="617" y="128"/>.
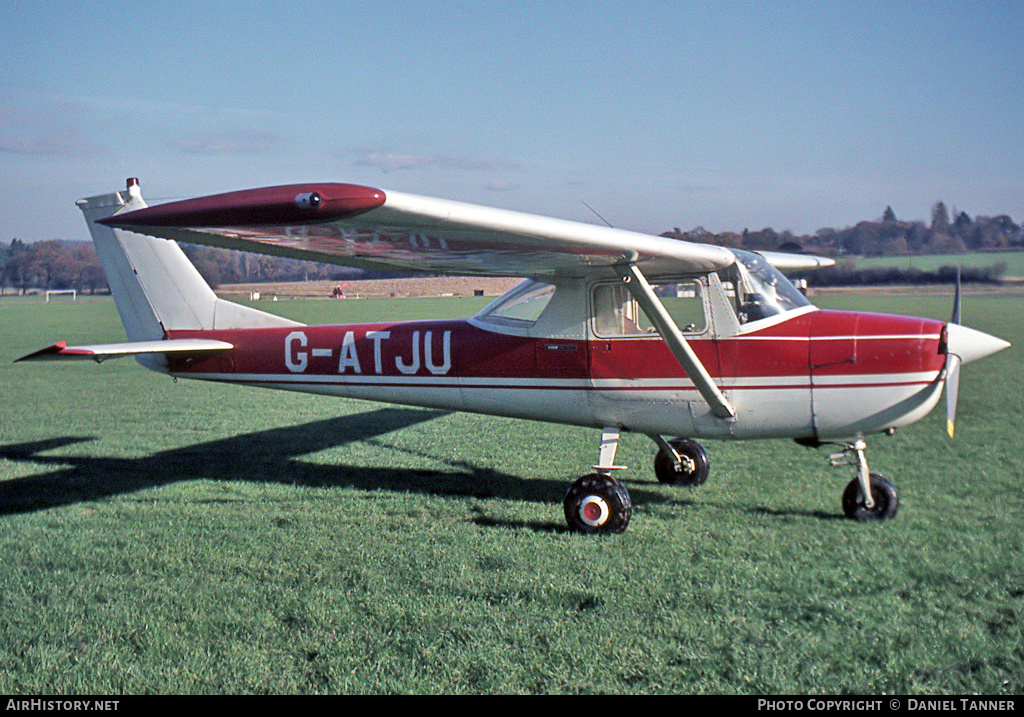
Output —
<point x="610" y="329"/>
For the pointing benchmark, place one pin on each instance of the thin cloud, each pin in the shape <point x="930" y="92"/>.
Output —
<point x="53" y="145"/>
<point x="47" y="128"/>
<point x="392" y="162"/>
<point x="503" y="186"/>
<point x="389" y="162"/>
<point x="473" y="163"/>
<point x="242" y="142"/>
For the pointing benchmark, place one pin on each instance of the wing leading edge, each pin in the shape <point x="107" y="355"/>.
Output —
<point x="371" y="228"/>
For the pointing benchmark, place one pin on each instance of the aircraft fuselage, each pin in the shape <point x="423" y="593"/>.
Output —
<point x="819" y="374"/>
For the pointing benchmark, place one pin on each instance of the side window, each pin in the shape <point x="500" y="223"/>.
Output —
<point x="684" y="301"/>
<point x="617" y="314"/>
<point x="521" y="306"/>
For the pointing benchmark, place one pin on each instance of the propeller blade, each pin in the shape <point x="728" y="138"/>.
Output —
<point x="956" y="300"/>
<point x="963" y="345"/>
<point x="953" y="366"/>
<point x="952" y="390"/>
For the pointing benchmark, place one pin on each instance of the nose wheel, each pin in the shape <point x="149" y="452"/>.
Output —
<point x="884" y="498"/>
<point x="869" y="496"/>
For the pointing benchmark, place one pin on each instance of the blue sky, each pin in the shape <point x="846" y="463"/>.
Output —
<point x="726" y="115"/>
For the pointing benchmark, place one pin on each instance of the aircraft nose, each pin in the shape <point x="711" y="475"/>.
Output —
<point x="971" y="344"/>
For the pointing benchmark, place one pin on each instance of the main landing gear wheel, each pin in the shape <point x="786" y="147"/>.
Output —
<point x="886" y="499"/>
<point x="597" y="503"/>
<point x="690" y="470"/>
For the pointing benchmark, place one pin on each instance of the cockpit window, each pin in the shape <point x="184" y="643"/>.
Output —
<point x="758" y="289"/>
<point x="520" y="306"/>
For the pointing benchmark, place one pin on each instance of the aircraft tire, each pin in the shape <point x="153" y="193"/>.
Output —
<point x="887" y="500"/>
<point x="664" y="467"/>
<point x="596" y="504"/>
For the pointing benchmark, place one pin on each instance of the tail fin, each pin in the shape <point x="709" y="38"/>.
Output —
<point x="155" y="287"/>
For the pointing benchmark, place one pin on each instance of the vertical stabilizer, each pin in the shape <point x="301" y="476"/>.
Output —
<point x="155" y="286"/>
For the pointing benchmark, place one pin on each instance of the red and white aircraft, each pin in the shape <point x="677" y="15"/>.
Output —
<point x="610" y="329"/>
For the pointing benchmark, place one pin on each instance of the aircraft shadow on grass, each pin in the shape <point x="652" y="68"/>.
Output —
<point x="270" y="456"/>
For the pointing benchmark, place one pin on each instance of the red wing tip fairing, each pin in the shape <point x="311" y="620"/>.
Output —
<point x="285" y="204"/>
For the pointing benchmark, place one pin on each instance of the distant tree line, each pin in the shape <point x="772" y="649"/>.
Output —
<point x="948" y="233"/>
<point x="74" y="265"/>
<point x="846" y="273"/>
<point x="50" y="265"/>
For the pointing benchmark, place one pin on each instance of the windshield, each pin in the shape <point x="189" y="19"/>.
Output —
<point x="758" y="289"/>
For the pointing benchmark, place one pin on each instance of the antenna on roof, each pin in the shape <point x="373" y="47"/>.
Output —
<point x="596" y="214"/>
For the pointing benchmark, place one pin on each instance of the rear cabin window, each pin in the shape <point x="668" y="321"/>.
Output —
<point x="616" y="312"/>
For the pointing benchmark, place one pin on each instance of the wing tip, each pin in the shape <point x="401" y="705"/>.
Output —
<point x="270" y="205"/>
<point x="50" y="351"/>
<point x="789" y="261"/>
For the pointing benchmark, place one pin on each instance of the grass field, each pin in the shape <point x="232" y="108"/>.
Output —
<point x="1012" y="260"/>
<point x="172" y="538"/>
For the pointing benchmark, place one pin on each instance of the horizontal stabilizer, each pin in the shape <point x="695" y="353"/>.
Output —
<point x="181" y="348"/>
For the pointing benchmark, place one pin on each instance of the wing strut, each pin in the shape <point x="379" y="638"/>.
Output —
<point x="673" y="337"/>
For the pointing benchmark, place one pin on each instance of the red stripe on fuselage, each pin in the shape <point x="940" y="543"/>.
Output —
<point x="879" y="345"/>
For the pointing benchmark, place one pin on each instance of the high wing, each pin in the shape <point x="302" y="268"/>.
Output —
<point x="371" y="228"/>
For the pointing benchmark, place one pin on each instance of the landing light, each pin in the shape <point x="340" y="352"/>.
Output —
<point x="308" y="200"/>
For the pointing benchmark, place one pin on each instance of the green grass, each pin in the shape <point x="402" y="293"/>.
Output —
<point x="1013" y="260"/>
<point x="189" y="538"/>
